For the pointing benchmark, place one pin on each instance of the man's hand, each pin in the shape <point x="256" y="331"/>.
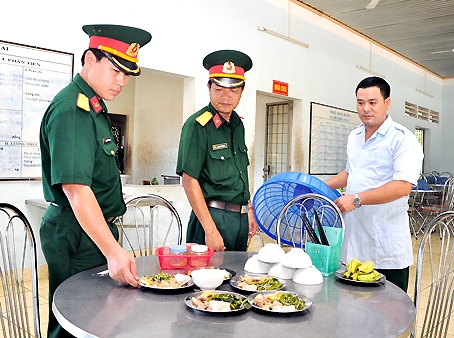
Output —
<point x="214" y="240"/>
<point x="252" y="222"/>
<point x="122" y="267"/>
<point x="345" y="203"/>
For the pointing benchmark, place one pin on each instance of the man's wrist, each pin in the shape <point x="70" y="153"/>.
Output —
<point x="357" y="201"/>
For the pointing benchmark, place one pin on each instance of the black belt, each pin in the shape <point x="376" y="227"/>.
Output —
<point x="228" y="206"/>
<point x="107" y="219"/>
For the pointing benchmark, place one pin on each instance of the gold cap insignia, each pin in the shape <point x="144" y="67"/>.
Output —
<point x="229" y="68"/>
<point x="133" y="50"/>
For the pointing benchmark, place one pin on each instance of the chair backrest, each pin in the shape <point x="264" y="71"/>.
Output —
<point x="431" y="178"/>
<point x="150" y="221"/>
<point x="448" y="194"/>
<point x="290" y="225"/>
<point x="18" y="266"/>
<point x="435" y="260"/>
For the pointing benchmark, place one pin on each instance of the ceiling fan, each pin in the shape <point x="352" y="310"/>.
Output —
<point x="372" y="4"/>
<point x="443" y="51"/>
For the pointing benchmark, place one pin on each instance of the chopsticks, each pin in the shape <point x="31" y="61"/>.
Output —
<point x="323" y="239"/>
<point x="311" y="232"/>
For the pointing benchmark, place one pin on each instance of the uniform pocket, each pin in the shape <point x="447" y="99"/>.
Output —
<point x="221" y="166"/>
<point x="110" y="160"/>
<point x="242" y="155"/>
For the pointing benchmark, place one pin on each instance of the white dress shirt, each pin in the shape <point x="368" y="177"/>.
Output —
<point x="380" y="233"/>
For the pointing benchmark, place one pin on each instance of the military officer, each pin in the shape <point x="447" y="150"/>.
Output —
<point x="213" y="159"/>
<point x="80" y="176"/>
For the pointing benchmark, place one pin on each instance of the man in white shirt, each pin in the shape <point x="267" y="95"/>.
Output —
<point x="383" y="162"/>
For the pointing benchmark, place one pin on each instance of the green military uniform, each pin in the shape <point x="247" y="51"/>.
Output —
<point x="216" y="155"/>
<point x="78" y="147"/>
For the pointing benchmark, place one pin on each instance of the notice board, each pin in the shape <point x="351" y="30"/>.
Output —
<point x="329" y="130"/>
<point x="29" y="79"/>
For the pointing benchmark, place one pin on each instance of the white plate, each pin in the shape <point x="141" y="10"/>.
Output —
<point x="339" y="274"/>
<point x="234" y="283"/>
<point x="308" y="302"/>
<point x="188" y="302"/>
<point x="186" y="285"/>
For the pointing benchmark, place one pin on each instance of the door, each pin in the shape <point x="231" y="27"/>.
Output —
<point x="118" y="123"/>
<point x="278" y="142"/>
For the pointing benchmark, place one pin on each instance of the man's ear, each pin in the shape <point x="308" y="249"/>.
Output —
<point x="388" y="103"/>
<point x="90" y="58"/>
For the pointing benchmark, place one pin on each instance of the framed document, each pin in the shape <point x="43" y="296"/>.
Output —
<point x="329" y="130"/>
<point x="30" y="77"/>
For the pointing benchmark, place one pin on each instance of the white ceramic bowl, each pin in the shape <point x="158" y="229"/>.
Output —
<point x="296" y="258"/>
<point x="253" y="265"/>
<point x="208" y="279"/>
<point x="309" y="276"/>
<point x="277" y="270"/>
<point x="271" y="253"/>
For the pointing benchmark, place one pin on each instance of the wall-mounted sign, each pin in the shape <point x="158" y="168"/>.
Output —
<point x="280" y="88"/>
<point x="29" y="79"/>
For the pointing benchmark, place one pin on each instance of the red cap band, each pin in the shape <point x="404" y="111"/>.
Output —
<point x="227" y="70"/>
<point x="115" y="47"/>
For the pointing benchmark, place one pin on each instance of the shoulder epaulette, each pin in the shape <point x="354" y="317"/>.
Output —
<point x="204" y="118"/>
<point x="82" y="102"/>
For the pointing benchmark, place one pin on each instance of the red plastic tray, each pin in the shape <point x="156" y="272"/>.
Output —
<point x="175" y="262"/>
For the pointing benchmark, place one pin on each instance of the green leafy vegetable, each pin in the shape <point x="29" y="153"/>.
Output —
<point x="289" y="299"/>
<point x="236" y="302"/>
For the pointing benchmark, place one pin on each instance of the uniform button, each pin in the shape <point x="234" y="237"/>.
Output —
<point x="234" y="152"/>
<point x="112" y="152"/>
<point x="222" y="158"/>
<point x="241" y="172"/>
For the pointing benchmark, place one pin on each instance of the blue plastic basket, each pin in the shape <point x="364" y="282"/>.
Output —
<point x="274" y="194"/>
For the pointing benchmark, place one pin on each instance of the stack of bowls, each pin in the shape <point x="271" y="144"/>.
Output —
<point x="295" y="264"/>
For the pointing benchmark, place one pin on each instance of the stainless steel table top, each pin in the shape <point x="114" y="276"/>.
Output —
<point x="89" y="305"/>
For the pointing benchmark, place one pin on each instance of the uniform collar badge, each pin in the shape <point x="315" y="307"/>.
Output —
<point x="229" y="68"/>
<point x="95" y="104"/>
<point x="217" y="120"/>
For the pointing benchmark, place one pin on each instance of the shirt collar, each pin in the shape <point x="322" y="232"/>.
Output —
<point x="234" y="118"/>
<point x="87" y="90"/>
<point x="383" y="129"/>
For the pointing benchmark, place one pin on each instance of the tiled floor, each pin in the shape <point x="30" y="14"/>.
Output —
<point x="254" y="246"/>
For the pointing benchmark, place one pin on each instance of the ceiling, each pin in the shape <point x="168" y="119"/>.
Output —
<point x="420" y="30"/>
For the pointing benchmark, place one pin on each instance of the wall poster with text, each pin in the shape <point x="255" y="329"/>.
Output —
<point x="30" y="77"/>
<point x="329" y="130"/>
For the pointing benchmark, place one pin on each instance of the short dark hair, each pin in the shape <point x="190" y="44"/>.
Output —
<point x="375" y="81"/>
<point x="98" y="54"/>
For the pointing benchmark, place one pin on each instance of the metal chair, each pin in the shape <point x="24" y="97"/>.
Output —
<point x="290" y="224"/>
<point x="18" y="265"/>
<point x="446" y="202"/>
<point x="148" y="222"/>
<point x="438" y="292"/>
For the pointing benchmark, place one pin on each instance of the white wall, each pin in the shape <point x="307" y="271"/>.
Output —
<point x="185" y="31"/>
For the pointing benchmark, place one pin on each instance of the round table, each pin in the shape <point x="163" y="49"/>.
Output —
<point x="92" y="305"/>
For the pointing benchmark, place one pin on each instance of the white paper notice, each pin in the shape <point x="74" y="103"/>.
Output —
<point x="29" y="79"/>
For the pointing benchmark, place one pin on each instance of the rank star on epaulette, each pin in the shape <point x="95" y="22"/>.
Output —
<point x="204" y="118"/>
<point x="95" y="104"/>
<point x="82" y="102"/>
